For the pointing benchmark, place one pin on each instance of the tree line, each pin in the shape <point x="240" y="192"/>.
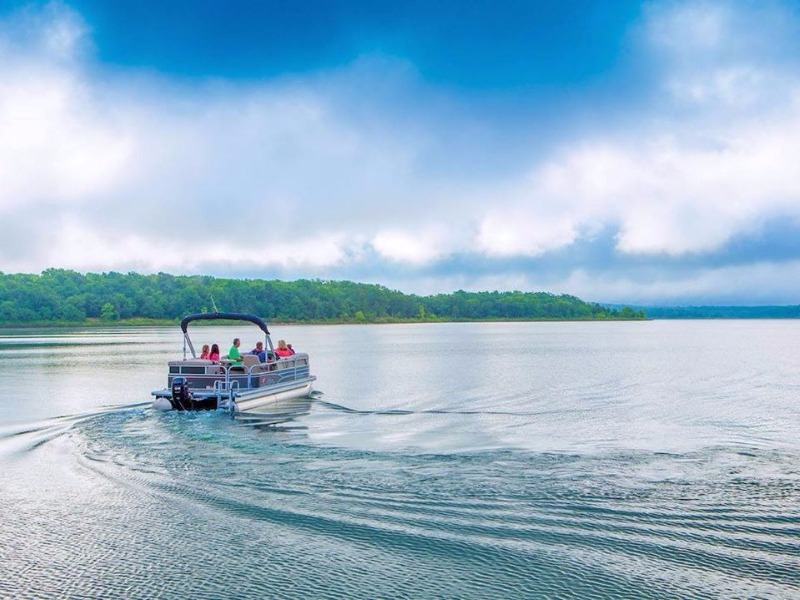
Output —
<point x="65" y="296"/>
<point x="724" y="312"/>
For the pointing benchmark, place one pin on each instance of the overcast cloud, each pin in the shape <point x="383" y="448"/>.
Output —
<point x="671" y="177"/>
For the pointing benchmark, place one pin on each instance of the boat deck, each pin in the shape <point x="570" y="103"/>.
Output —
<point x="208" y="378"/>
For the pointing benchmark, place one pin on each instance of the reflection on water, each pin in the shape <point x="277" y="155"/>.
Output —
<point x="575" y="460"/>
<point x="270" y="415"/>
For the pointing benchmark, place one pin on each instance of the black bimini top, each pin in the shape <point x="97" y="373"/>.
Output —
<point x="229" y="316"/>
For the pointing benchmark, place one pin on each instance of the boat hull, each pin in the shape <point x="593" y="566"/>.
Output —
<point x="254" y="400"/>
<point x="265" y="399"/>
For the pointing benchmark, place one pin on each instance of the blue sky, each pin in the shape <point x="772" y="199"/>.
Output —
<point x="631" y="152"/>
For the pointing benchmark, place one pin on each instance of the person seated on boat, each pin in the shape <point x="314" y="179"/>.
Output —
<point x="233" y="354"/>
<point x="289" y="346"/>
<point x="259" y="352"/>
<point x="214" y="354"/>
<point x="205" y="352"/>
<point x="282" y="350"/>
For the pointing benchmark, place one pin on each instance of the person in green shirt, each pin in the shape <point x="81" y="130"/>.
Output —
<point x="233" y="354"/>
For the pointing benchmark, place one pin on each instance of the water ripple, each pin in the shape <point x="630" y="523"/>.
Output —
<point x="620" y="465"/>
<point x="187" y="489"/>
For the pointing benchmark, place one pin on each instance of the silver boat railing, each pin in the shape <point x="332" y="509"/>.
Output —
<point x="222" y="378"/>
<point x="284" y="369"/>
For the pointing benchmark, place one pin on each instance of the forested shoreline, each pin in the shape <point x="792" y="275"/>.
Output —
<point x="64" y="296"/>
<point x="723" y="312"/>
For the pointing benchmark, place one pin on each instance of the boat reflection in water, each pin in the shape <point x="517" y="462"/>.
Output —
<point x="274" y="388"/>
<point x="277" y="413"/>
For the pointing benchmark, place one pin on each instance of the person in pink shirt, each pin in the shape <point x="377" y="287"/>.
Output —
<point x="282" y="350"/>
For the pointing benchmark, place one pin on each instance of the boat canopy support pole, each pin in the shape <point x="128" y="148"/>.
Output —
<point x="187" y="341"/>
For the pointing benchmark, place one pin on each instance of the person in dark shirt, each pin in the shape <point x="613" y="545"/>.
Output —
<point x="259" y="352"/>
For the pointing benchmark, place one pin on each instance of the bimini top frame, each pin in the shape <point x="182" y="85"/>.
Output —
<point x="220" y="316"/>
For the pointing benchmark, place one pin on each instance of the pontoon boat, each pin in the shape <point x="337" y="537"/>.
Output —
<point x="247" y="387"/>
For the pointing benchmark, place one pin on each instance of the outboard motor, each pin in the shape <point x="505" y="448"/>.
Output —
<point x="181" y="395"/>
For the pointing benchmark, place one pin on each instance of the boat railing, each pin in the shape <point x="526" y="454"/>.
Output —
<point x="282" y="370"/>
<point x="293" y="367"/>
<point x="225" y="386"/>
<point x="223" y="376"/>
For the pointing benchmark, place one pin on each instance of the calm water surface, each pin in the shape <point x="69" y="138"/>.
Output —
<point x="526" y="460"/>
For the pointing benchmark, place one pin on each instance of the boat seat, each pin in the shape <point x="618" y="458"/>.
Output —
<point x="250" y="360"/>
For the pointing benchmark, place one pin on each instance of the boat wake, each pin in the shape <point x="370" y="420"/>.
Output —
<point x="406" y="412"/>
<point x="21" y="438"/>
<point x="184" y="490"/>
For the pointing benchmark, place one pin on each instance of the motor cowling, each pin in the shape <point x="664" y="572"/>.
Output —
<point x="181" y="395"/>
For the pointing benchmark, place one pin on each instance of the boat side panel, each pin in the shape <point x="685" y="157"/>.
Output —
<point x="205" y="377"/>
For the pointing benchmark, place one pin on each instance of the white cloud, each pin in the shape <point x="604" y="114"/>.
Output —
<point x="419" y="245"/>
<point x="666" y="196"/>
<point x="57" y="143"/>
<point x="722" y="56"/>
<point x="683" y="181"/>
<point x="138" y="173"/>
<point x="90" y="249"/>
<point x="687" y="29"/>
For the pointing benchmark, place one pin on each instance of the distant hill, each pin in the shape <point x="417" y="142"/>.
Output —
<point x="63" y="296"/>
<point x="722" y="312"/>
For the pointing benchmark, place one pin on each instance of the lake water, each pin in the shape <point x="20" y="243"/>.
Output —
<point x="508" y="460"/>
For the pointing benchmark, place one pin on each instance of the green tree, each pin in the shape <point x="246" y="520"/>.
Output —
<point x="63" y="295"/>
<point x="109" y="312"/>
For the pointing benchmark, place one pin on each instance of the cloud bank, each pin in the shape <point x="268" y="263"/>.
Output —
<point x="368" y="171"/>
